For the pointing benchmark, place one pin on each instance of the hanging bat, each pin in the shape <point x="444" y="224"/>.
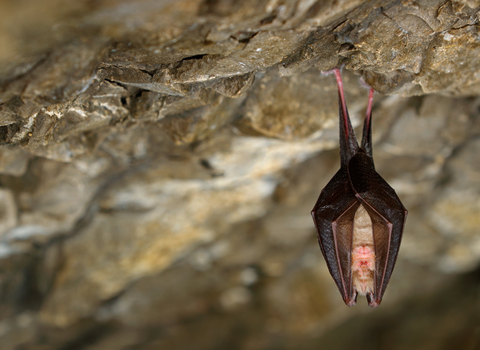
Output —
<point x="358" y="216"/>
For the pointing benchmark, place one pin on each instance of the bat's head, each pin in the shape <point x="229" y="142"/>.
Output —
<point x="363" y="269"/>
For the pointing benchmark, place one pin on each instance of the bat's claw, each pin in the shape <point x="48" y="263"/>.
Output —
<point x="332" y="71"/>
<point x="364" y="83"/>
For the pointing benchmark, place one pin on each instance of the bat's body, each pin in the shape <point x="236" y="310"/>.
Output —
<point x="358" y="216"/>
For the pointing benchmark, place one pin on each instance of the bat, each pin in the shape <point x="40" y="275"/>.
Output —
<point x="358" y="216"/>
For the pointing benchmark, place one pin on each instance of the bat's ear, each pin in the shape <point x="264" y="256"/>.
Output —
<point x="367" y="126"/>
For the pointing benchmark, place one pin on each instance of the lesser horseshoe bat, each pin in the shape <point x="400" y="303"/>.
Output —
<point x="358" y="216"/>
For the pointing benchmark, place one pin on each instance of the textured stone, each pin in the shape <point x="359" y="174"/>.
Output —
<point x="159" y="161"/>
<point x="274" y="109"/>
<point x="8" y="212"/>
<point x="13" y="161"/>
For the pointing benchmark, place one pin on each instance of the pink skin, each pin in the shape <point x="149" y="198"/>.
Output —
<point x="363" y="264"/>
<point x="363" y="260"/>
<point x="369" y="107"/>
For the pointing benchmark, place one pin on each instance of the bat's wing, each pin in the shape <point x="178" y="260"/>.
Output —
<point x="333" y="215"/>
<point x="388" y="218"/>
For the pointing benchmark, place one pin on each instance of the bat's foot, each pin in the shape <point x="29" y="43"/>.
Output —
<point x="332" y="71"/>
<point x="363" y="83"/>
<point x="371" y="92"/>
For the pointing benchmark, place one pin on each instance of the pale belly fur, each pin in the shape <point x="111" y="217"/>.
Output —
<point x="363" y="254"/>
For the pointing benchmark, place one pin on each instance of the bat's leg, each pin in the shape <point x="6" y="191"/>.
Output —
<point x="348" y="141"/>
<point x="369" y="108"/>
<point x="367" y="126"/>
<point x="341" y="94"/>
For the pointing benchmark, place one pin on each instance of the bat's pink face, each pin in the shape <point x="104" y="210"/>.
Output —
<point x="363" y="266"/>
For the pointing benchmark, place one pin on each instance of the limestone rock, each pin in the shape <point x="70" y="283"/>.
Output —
<point x="159" y="160"/>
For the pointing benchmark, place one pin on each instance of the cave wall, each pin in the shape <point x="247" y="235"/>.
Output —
<point x="159" y="161"/>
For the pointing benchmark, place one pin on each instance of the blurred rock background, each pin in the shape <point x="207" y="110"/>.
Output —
<point x="159" y="160"/>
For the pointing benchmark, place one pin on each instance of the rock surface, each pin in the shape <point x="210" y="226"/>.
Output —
<point x="159" y="160"/>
